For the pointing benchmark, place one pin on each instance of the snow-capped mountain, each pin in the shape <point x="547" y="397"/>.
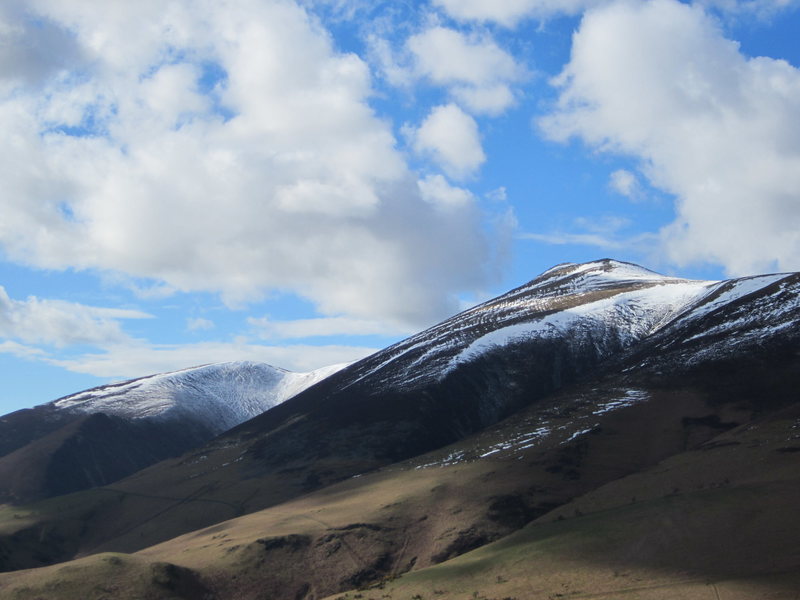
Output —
<point x="219" y="396"/>
<point x="606" y="304"/>
<point x="586" y="375"/>
<point x="572" y="323"/>
<point x="603" y="307"/>
<point x="97" y="436"/>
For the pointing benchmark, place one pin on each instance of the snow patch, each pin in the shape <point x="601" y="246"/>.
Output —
<point x="519" y="442"/>
<point x="450" y="459"/>
<point x="630" y="398"/>
<point x="579" y="433"/>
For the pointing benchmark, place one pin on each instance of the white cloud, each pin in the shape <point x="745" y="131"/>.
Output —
<point x="451" y="138"/>
<point x="499" y="195"/>
<point x="761" y="8"/>
<point x="477" y="71"/>
<point x="340" y="10"/>
<point x="490" y="100"/>
<point x="199" y="324"/>
<point x="394" y="66"/>
<point x="137" y="360"/>
<point x="561" y="238"/>
<point x="228" y="148"/>
<point x="625" y="183"/>
<point x="20" y="350"/>
<point x="601" y="232"/>
<point x="719" y="130"/>
<point x="44" y="329"/>
<point x="510" y="12"/>
<point x="61" y="323"/>
<point x="438" y="191"/>
<point x="320" y="327"/>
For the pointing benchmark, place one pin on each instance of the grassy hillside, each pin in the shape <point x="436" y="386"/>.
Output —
<point x="719" y="522"/>
<point x="717" y="519"/>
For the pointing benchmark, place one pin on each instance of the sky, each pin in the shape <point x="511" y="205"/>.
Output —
<point x="304" y="182"/>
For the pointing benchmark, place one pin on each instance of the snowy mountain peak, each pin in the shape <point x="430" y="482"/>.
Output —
<point x="583" y="278"/>
<point x="609" y="267"/>
<point x="219" y="395"/>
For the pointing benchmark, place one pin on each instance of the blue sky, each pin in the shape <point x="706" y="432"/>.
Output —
<point x="304" y="182"/>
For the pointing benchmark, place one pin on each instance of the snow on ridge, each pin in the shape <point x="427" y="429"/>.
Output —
<point x="605" y="269"/>
<point x="219" y="395"/>
<point x="294" y="383"/>
<point x="732" y="290"/>
<point x="556" y="283"/>
<point x="118" y="388"/>
<point x="760" y="317"/>
<point x="616" y="269"/>
<point x="570" y="279"/>
<point x="636" y="313"/>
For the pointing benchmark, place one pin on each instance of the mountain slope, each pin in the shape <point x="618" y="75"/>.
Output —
<point x="100" y="435"/>
<point x="424" y="511"/>
<point x="716" y="521"/>
<point x="589" y="374"/>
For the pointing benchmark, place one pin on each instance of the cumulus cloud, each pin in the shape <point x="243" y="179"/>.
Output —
<point x="438" y="191"/>
<point x="60" y="323"/>
<point x="719" y="130"/>
<point x="450" y="136"/>
<point x="478" y="73"/>
<point x="223" y="148"/>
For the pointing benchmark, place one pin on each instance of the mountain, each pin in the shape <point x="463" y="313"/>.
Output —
<point x="602" y="430"/>
<point x="484" y="364"/>
<point x="103" y="434"/>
